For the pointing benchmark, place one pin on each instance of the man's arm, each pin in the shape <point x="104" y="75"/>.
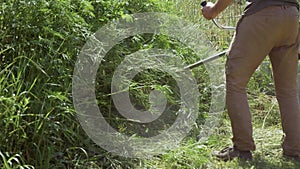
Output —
<point x="212" y="10"/>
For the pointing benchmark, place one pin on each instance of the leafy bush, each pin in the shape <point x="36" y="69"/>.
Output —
<point x="40" y="41"/>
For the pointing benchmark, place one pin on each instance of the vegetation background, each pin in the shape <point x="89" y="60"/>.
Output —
<point x="40" y="41"/>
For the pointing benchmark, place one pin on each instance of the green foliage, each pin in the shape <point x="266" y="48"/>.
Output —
<point x="146" y="81"/>
<point x="40" y="41"/>
<point x="39" y="44"/>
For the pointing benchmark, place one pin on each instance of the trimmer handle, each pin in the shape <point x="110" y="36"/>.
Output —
<point x="203" y="4"/>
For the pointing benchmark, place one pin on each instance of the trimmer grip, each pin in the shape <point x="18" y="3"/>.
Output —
<point x="203" y="3"/>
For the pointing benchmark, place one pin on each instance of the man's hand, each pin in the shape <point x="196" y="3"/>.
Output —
<point x="208" y="11"/>
<point x="212" y="10"/>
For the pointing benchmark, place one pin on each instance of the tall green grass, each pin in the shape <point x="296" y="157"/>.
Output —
<point x="40" y="41"/>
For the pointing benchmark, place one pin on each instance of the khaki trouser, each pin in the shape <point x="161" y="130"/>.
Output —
<point x="272" y="31"/>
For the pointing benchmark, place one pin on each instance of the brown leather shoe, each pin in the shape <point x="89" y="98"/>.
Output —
<point x="229" y="153"/>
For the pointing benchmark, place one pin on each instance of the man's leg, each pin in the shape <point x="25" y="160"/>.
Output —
<point x="241" y="63"/>
<point x="285" y="69"/>
<point x="256" y="35"/>
<point x="285" y="66"/>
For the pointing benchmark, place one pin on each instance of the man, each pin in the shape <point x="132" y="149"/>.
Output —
<point x="268" y="27"/>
